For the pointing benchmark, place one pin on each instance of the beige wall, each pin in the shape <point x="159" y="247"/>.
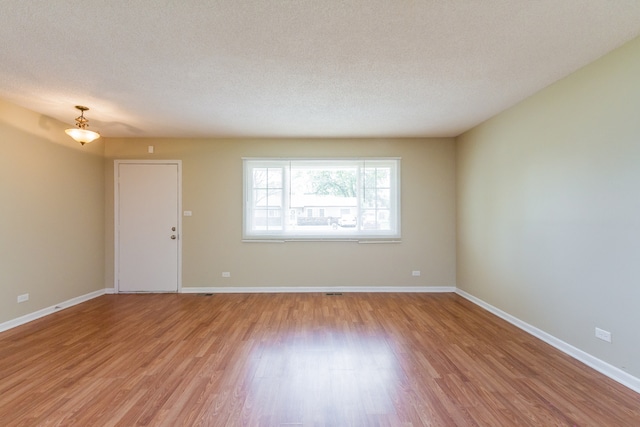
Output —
<point x="212" y="189"/>
<point x="548" y="197"/>
<point x="51" y="211"/>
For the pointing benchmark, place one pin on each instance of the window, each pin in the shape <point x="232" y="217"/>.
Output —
<point x="321" y="199"/>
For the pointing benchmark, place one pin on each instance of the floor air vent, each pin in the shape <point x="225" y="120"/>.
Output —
<point x="333" y="294"/>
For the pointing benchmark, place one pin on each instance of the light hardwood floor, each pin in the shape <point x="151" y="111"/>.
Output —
<point x="295" y="359"/>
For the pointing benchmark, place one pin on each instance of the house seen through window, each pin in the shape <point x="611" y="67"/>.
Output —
<point x="321" y="198"/>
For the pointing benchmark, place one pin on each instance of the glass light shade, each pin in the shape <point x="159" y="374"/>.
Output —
<point x="83" y="136"/>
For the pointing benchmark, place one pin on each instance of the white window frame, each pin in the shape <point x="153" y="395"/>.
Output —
<point x="280" y="199"/>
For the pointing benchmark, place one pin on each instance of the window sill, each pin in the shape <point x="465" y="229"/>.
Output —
<point x="312" y="239"/>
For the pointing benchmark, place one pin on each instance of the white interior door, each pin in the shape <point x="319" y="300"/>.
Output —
<point x="147" y="226"/>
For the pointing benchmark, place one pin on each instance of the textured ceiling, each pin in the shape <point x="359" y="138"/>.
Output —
<point x="296" y="68"/>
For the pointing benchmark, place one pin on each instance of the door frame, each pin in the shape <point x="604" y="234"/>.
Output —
<point x="116" y="218"/>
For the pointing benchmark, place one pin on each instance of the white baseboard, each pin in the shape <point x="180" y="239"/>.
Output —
<point x="300" y="289"/>
<point x="46" y="311"/>
<point x="611" y="371"/>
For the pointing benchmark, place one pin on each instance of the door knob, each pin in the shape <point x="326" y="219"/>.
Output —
<point x="173" y="229"/>
<point x="173" y="237"/>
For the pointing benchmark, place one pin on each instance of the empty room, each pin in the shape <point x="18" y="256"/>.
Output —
<point x="320" y="213"/>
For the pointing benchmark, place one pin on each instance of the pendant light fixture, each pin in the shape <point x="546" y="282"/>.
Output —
<point x="80" y="133"/>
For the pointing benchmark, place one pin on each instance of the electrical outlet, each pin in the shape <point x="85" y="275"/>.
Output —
<point x="23" y="297"/>
<point x="226" y="274"/>
<point x="415" y="273"/>
<point x="603" y="335"/>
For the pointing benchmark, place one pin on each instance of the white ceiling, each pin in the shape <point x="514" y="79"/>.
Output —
<point x="296" y="68"/>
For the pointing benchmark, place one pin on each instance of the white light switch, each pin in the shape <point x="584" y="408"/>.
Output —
<point x="150" y="149"/>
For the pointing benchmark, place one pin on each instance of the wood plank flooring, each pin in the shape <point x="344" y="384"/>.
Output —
<point x="295" y="360"/>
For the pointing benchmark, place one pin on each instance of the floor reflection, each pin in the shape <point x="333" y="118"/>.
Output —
<point x="328" y="379"/>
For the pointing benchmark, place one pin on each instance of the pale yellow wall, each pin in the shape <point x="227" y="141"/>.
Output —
<point x="548" y="196"/>
<point x="51" y="211"/>
<point x="212" y="237"/>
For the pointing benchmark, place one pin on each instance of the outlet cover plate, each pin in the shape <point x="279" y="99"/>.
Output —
<point x="603" y="335"/>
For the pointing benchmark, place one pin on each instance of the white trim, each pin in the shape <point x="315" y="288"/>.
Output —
<point x="364" y="241"/>
<point x="116" y="207"/>
<point x="312" y="289"/>
<point x="355" y="159"/>
<point x="610" y="371"/>
<point x="49" y="310"/>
